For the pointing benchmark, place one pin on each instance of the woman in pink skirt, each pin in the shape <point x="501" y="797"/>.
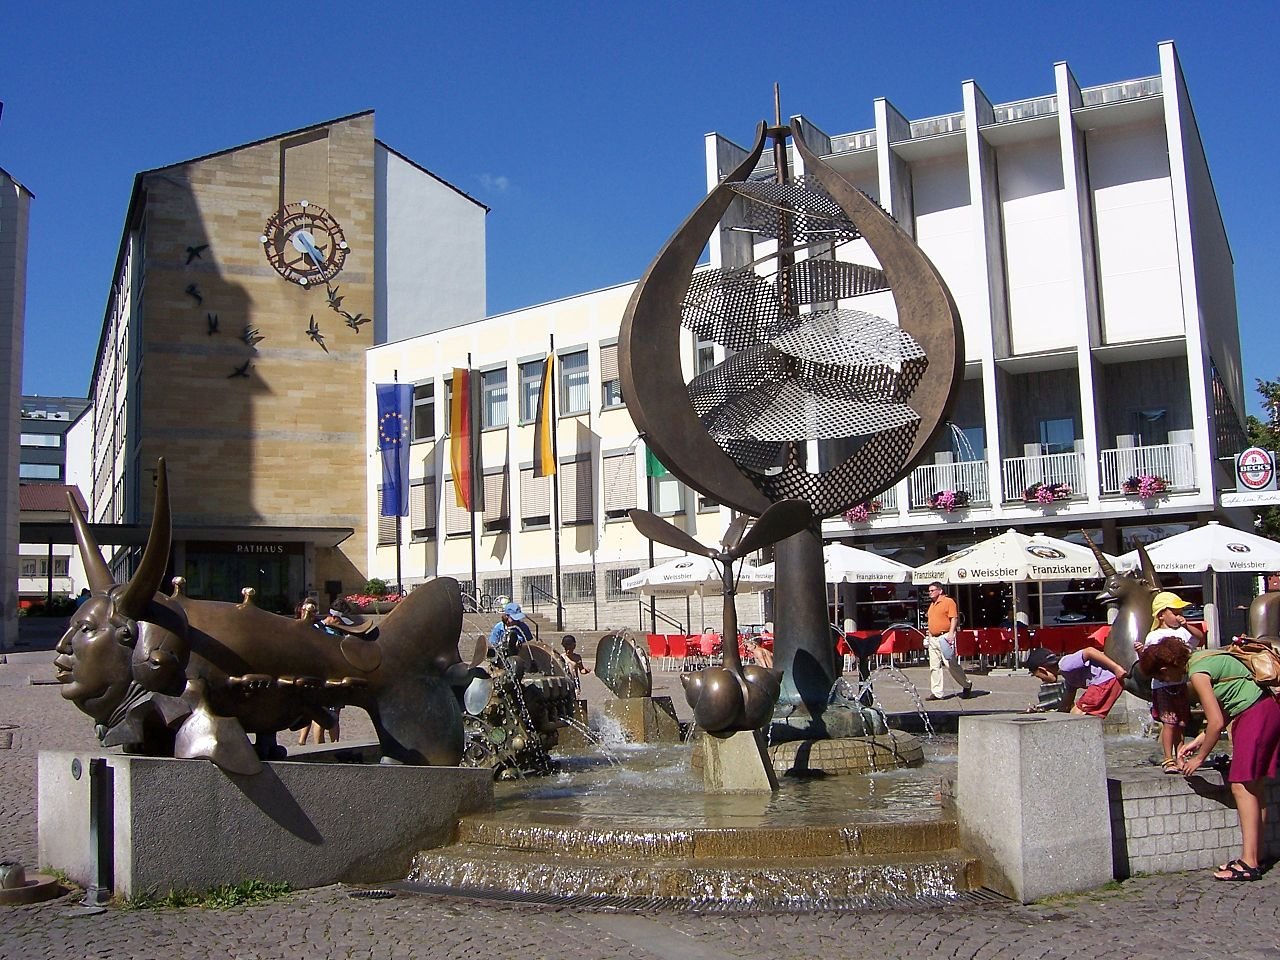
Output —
<point x="1228" y="694"/>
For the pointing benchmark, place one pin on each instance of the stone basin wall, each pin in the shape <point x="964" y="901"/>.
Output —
<point x="1162" y="823"/>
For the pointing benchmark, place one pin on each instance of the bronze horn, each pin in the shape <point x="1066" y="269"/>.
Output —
<point x="1148" y="568"/>
<point x="1103" y="562"/>
<point x="142" y="586"/>
<point x="100" y="579"/>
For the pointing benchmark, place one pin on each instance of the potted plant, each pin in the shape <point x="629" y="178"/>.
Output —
<point x="1146" y="486"/>
<point x="1046" y="493"/>
<point x="375" y="598"/>
<point x="862" y="512"/>
<point x="949" y="500"/>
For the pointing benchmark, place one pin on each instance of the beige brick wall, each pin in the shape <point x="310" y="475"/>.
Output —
<point x="286" y="445"/>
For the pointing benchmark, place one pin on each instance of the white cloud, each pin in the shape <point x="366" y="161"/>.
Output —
<point x="492" y="181"/>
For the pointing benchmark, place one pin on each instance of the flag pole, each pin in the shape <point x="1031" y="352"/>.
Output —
<point x="472" y="441"/>
<point x="553" y="413"/>
<point x="395" y="376"/>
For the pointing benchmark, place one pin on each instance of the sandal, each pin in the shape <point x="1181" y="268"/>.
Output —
<point x="1170" y="765"/>
<point x="1238" y="870"/>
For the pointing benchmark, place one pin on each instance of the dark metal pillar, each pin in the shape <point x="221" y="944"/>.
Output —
<point x="803" y="646"/>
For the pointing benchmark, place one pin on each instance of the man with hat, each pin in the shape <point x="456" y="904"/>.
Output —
<point x="511" y="625"/>
<point x="1169" y="701"/>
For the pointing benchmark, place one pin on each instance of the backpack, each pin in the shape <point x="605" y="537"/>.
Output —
<point x="1261" y="659"/>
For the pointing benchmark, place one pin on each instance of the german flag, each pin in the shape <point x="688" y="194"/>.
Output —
<point x="460" y="436"/>
<point x="544" y="444"/>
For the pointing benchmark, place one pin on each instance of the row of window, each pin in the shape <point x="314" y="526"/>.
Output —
<point x="40" y="439"/>
<point x="578" y="586"/>
<point x="573" y="389"/>
<point x="577" y="498"/>
<point x="39" y="471"/>
<point x="39" y="566"/>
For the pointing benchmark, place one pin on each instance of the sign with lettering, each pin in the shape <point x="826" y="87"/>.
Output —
<point x="1256" y="470"/>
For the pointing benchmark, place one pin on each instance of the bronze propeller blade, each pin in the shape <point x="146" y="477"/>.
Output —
<point x="784" y="518"/>
<point x="655" y="528"/>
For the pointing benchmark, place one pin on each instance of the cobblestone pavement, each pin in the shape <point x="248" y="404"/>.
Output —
<point x="1182" y="915"/>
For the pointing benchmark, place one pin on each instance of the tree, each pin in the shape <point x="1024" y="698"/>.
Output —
<point x="1266" y="434"/>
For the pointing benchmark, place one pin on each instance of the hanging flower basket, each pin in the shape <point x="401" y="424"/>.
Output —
<point x="1146" y="486"/>
<point x="863" y="512"/>
<point x="1046" y="493"/>
<point x="949" y="500"/>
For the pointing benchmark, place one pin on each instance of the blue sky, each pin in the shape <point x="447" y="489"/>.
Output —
<point x="580" y="124"/>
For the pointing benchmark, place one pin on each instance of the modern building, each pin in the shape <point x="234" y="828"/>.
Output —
<point x="247" y="287"/>
<point x="45" y="570"/>
<point x="15" y="212"/>
<point x="1081" y="238"/>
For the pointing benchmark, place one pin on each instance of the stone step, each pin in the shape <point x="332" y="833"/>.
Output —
<point x="484" y="869"/>
<point x="576" y="835"/>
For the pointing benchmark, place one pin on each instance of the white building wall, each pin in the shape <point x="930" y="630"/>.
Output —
<point x="431" y="238"/>
<point x="1037" y="239"/>
<point x="1136" y="243"/>
<point x="78" y="442"/>
<point x="945" y="231"/>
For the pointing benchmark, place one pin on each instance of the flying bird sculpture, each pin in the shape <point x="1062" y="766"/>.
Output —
<point x="313" y="331"/>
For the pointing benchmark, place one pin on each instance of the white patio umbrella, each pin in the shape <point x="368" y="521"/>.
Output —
<point x="1013" y="557"/>
<point x="694" y="576"/>
<point x="845" y="564"/>
<point x="1213" y="548"/>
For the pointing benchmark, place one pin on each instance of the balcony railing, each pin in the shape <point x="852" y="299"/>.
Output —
<point x="1172" y="462"/>
<point x="1019" y="473"/>
<point x="969" y="476"/>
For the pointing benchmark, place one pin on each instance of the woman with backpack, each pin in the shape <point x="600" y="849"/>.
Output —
<point x="1226" y="689"/>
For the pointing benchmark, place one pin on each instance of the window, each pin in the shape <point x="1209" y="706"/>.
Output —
<point x="39" y="471"/>
<point x="497" y="516"/>
<point x="530" y="388"/>
<point x="610" y="381"/>
<point x="579" y="586"/>
<point x="40" y="440"/>
<point x="1057" y="436"/>
<point x="493" y="398"/>
<point x="422" y="508"/>
<point x="618" y="474"/>
<point x="577" y="498"/>
<point x="535" y="499"/>
<point x="30" y="567"/>
<point x="535" y="588"/>
<point x="613" y="584"/>
<point x="705" y="358"/>
<point x="574" y="383"/>
<point x="496" y="587"/>
<point x="448" y="405"/>
<point x="424" y="411"/>
<point x="707" y="505"/>
<point x="970" y="443"/>
<point x="457" y="522"/>
<point x="666" y="495"/>
<point x="1153" y="427"/>
<point x="386" y="526"/>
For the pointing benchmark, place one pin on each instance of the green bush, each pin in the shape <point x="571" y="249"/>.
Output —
<point x="377" y="588"/>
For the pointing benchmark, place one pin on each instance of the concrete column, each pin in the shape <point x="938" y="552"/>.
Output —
<point x="984" y="200"/>
<point x="895" y="173"/>
<point x="1084" y="286"/>
<point x="1031" y="802"/>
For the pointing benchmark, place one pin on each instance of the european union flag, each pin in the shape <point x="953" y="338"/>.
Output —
<point x="395" y="402"/>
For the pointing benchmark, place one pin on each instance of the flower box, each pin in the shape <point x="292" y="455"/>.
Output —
<point x="949" y="500"/>
<point x="863" y="512"/>
<point x="1046" y="493"/>
<point x="1146" y="486"/>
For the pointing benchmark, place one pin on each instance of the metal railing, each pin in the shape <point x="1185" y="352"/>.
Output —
<point x="535" y="592"/>
<point x="846" y="142"/>
<point x="659" y="615"/>
<point x="969" y="476"/>
<point x="476" y="602"/>
<point x="1025" y="109"/>
<point x="1174" y="463"/>
<point x="1019" y="473"/>
<point x="1125" y="90"/>
<point x="935" y="126"/>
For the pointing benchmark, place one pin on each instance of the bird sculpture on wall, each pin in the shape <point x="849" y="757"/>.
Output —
<point x="732" y="697"/>
<point x="193" y="253"/>
<point x="194" y="292"/>
<point x="354" y="322"/>
<point x="335" y="301"/>
<point x="251" y="336"/>
<point x="241" y="371"/>
<point x="313" y="331"/>
<point x="212" y="320"/>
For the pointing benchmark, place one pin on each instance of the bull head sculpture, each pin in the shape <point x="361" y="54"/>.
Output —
<point x="1132" y="592"/>
<point x="169" y="675"/>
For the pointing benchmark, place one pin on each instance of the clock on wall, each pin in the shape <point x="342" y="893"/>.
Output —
<point x="304" y="243"/>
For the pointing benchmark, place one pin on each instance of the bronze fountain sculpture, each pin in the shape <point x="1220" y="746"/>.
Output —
<point x="171" y="675"/>
<point x="874" y="391"/>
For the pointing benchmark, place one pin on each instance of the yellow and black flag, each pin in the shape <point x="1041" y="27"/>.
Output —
<point x="544" y="441"/>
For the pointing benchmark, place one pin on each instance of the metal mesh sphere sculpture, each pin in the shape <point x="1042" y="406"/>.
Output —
<point x="802" y="367"/>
